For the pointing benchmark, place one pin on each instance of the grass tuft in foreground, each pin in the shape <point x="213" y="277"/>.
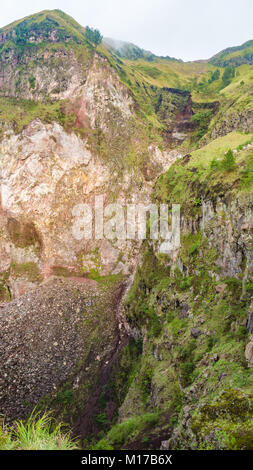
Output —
<point x="37" y="433"/>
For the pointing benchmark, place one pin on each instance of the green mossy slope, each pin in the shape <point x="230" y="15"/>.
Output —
<point x="192" y="316"/>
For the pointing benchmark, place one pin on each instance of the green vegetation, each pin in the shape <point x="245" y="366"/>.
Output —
<point x="65" y="395"/>
<point x="235" y="56"/>
<point x="235" y="100"/>
<point x="214" y="76"/>
<point x="28" y="270"/>
<point x="228" y="75"/>
<point x="180" y="303"/>
<point x="246" y="175"/>
<point x="212" y="169"/>
<point x="229" y="418"/>
<point x="5" y="294"/>
<point x="202" y="120"/>
<point x="37" y="433"/>
<point x="19" y="113"/>
<point x="106" y="279"/>
<point x="42" y="24"/>
<point x="126" y="431"/>
<point x="93" y="35"/>
<point x="32" y="81"/>
<point x="228" y="162"/>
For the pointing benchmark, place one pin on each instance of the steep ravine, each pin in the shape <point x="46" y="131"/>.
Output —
<point x="102" y="400"/>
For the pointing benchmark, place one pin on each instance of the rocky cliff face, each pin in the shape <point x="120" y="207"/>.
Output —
<point x="242" y="121"/>
<point x="47" y="170"/>
<point x="55" y="73"/>
<point x="45" y="173"/>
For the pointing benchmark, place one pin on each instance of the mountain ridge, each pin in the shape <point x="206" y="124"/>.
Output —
<point x="127" y="49"/>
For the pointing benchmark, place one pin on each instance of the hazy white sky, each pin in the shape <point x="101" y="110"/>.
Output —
<point x="186" y="29"/>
